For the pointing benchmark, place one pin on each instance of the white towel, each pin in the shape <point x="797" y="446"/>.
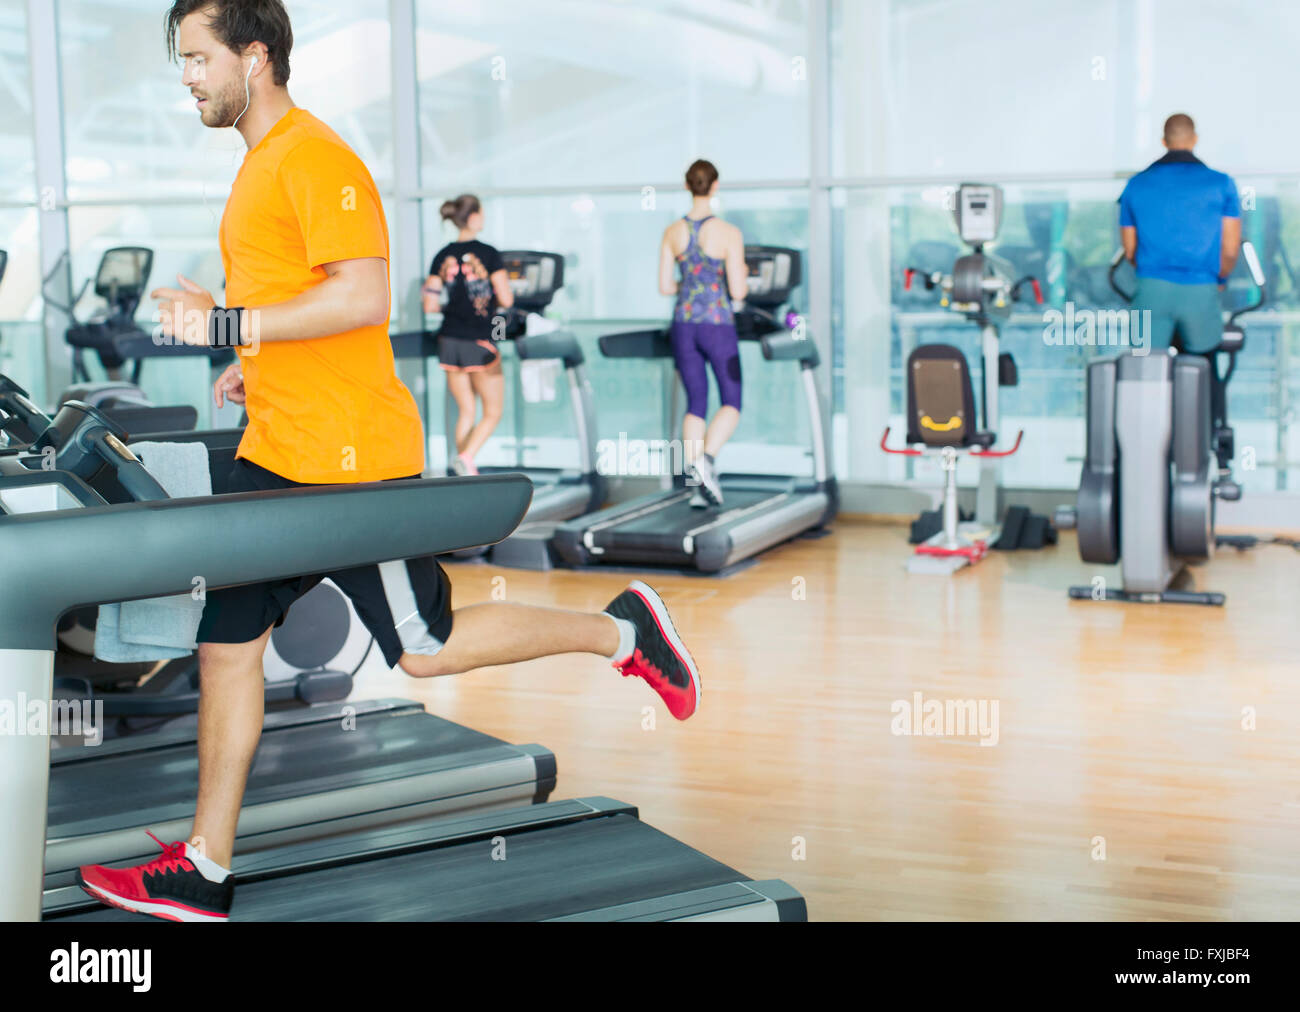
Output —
<point x="539" y="377"/>
<point x="160" y="628"/>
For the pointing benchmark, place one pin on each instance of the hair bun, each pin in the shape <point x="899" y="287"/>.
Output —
<point x="448" y="209"/>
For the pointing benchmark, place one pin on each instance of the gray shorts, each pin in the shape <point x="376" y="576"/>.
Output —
<point x="1191" y="310"/>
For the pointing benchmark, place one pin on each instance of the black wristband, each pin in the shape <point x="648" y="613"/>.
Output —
<point x="225" y="327"/>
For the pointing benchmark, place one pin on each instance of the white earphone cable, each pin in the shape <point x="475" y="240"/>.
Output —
<point x="248" y="100"/>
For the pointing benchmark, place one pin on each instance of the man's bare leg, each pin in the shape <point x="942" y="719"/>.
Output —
<point x="231" y="708"/>
<point x="635" y="632"/>
<point x="487" y="634"/>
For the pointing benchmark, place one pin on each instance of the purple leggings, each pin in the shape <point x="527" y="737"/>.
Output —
<point x="694" y="344"/>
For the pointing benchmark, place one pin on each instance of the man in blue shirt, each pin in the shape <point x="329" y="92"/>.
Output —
<point x="1180" y="222"/>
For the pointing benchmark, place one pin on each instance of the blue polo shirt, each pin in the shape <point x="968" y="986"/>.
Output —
<point x="1178" y="205"/>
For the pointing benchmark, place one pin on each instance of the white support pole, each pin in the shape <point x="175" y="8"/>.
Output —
<point x="26" y="677"/>
<point x="51" y="185"/>
<point x="986" y="500"/>
<point x="820" y="258"/>
<point x="406" y="247"/>
<point x="864" y="93"/>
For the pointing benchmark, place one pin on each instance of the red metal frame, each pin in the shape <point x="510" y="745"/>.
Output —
<point x="974" y="551"/>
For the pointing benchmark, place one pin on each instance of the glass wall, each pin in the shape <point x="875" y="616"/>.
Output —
<point x="133" y="138"/>
<point x="610" y="242"/>
<point x="131" y="129"/>
<point x="1083" y="109"/>
<point x="1076" y="87"/>
<point x="523" y="95"/>
<point x="575" y="119"/>
<point x="17" y="178"/>
<point x="20" y="285"/>
<point x="1064" y="234"/>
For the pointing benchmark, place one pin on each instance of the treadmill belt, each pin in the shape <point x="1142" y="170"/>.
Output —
<point x="660" y="536"/>
<point x="155" y="788"/>
<point x="674" y="521"/>
<point x="552" y="871"/>
<point x="303" y="774"/>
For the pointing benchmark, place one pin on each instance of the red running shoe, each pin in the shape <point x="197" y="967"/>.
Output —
<point x="169" y="887"/>
<point x="660" y="657"/>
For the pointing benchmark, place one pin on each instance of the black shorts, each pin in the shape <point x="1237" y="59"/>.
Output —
<point x="463" y="354"/>
<point x="405" y="605"/>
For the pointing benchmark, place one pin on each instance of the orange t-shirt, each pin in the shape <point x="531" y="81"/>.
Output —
<point x="329" y="410"/>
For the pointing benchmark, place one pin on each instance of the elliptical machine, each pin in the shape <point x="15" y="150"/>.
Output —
<point x="1158" y="456"/>
<point x="941" y="414"/>
<point x="120" y="281"/>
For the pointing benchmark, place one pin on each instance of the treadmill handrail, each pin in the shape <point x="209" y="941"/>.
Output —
<point x="652" y="343"/>
<point x="58" y="561"/>
<point x="776" y="346"/>
<point x="787" y="347"/>
<point x="139" y="344"/>
<point x="558" y="344"/>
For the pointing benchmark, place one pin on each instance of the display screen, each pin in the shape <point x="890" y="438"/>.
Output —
<point x="979" y="214"/>
<point x="36" y="499"/>
<point x="123" y="271"/>
<point x="532" y="276"/>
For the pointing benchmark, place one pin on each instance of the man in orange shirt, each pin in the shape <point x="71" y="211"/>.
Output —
<point x="305" y="249"/>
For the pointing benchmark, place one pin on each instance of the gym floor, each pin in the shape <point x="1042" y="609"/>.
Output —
<point x="1146" y="765"/>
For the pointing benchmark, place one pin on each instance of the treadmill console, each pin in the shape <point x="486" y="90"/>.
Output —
<point x="534" y="277"/>
<point x="774" y="273"/>
<point x="978" y="212"/>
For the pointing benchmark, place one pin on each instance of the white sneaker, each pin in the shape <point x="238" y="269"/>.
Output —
<point x="703" y="473"/>
<point x="698" y="502"/>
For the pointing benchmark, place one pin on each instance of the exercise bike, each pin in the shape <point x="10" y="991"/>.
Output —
<point x="941" y="415"/>
<point x="1158" y="457"/>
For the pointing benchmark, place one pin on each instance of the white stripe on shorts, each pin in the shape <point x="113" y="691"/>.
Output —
<point x="412" y="630"/>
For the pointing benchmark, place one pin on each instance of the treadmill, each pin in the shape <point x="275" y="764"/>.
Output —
<point x="22" y="422"/>
<point x="304" y="781"/>
<point x="559" y="494"/>
<point x="317" y="772"/>
<point x="759" y="511"/>
<point x="311" y="658"/>
<point x="586" y="859"/>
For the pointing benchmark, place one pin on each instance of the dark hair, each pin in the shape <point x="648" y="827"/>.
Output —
<point x="1179" y="126"/>
<point x="238" y="24"/>
<point x="458" y="211"/>
<point x="700" y="177"/>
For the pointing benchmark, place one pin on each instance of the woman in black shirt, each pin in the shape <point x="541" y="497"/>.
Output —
<point x="471" y="286"/>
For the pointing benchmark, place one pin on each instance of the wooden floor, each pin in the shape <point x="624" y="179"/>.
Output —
<point x="1120" y="726"/>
